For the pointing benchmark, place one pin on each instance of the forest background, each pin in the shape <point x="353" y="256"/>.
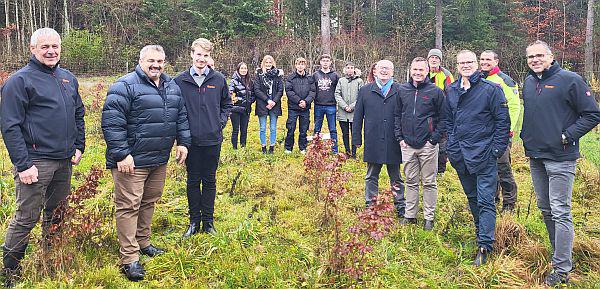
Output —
<point x="294" y="221"/>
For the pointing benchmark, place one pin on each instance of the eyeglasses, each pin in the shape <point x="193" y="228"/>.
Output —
<point x="385" y="68"/>
<point x="538" y="56"/>
<point x="463" y="63"/>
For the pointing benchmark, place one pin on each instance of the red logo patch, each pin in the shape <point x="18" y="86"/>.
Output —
<point x="211" y="86"/>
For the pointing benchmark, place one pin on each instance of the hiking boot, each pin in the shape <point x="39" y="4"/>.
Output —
<point x="408" y="221"/>
<point x="508" y="208"/>
<point x="428" y="226"/>
<point x="555" y="279"/>
<point x="264" y="150"/>
<point x="11" y="260"/>
<point x="193" y="228"/>
<point x="133" y="271"/>
<point x="152" y="251"/>
<point x="481" y="257"/>
<point x="271" y="149"/>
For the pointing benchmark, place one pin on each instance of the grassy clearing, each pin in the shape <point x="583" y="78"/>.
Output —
<point x="270" y="237"/>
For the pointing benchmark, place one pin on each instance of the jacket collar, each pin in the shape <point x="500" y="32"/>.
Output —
<point x="375" y="88"/>
<point x="473" y="79"/>
<point x="486" y="74"/>
<point x="164" y="78"/>
<point x="425" y="82"/>
<point x="35" y="63"/>
<point x="186" y="76"/>
<point x="553" y="69"/>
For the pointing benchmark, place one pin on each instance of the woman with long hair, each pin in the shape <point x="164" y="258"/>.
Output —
<point x="240" y="89"/>
<point x="371" y="74"/>
<point x="268" y="90"/>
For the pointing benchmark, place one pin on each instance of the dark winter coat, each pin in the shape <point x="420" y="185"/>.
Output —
<point x="477" y="123"/>
<point x="558" y="103"/>
<point x="207" y="106"/>
<point x="377" y="113"/>
<point x="41" y="114"/>
<point x="418" y="114"/>
<point x="325" y="84"/>
<point x="299" y="87"/>
<point x="143" y="120"/>
<point x="261" y="92"/>
<point x="243" y="94"/>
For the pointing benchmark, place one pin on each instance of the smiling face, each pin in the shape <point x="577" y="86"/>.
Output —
<point x="385" y="70"/>
<point x="418" y="71"/>
<point x="201" y="58"/>
<point x="539" y="58"/>
<point x="488" y="61"/>
<point x="47" y="49"/>
<point x="243" y="71"/>
<point x="153" y="63"/>
<point x="467" y="63"/>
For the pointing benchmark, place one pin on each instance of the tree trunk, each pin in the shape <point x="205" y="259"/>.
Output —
<point x="438" y="24"/>
<point x="7" y="21"/>
<point x="589" y="41"/>
<point x="66" y="26"/>
<point x="325" y="27"/>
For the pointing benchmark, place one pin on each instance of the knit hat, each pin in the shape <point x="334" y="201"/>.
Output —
<point x="435" y="52"/>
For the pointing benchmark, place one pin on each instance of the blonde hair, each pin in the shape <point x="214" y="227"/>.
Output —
<point x="262" y="63"/>
<point x="300" y="60"/>
<point x="202" y="43"/>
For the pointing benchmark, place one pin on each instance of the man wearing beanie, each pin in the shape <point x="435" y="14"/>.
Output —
<point x="442" y="78"/>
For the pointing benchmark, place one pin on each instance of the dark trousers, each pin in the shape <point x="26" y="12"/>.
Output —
<point x="480" y="188"/>
<point x="442" y="156"/>
<point x="239" y="121"/>
<point x="346" y="129"/>
<point x="303" y="118"/>
<point x="45" y="195"/>
<point x="506" y="181"/>
<point x="202" y="163"/>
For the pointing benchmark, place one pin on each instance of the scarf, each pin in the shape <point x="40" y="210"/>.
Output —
<point x="385" y="88"/>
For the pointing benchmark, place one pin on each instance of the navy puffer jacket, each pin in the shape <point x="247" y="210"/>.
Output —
<point x="143" y="120"/>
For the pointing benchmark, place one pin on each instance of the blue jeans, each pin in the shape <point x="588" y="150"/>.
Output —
<point x="262" y="121"/>
<point x="328" y="111"/>
<point x="553" y="185"/>
<point x="480" y="189"/>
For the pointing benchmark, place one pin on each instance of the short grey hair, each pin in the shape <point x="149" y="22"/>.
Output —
<point x="492" y="52"/>
<point x="43" y="32"/>
<point x="154" y="47"/>
<point x="466" y="51"/>
<point x="542" y="43"/>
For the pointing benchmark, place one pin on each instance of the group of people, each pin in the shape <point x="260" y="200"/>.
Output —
<point x="418" y="123"/>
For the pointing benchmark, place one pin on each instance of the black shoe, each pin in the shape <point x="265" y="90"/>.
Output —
<point x="264" y="149"/>
<point x="556" y="279"/>
<point x="271" y="149"/>
<point x="208" y="227"/>
<point x="133" y="271"/>
<point x="194" y="228"/>
<point x="152" y="251"/>
<point x="481" y="257"/>
<point x="408" y="221"/>
<point x="428" y="226"/>
<point x="508" y="208"/>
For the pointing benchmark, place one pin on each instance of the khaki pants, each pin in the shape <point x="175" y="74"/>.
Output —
<point x="135" y="197"/>
<point x="421" y="165"/>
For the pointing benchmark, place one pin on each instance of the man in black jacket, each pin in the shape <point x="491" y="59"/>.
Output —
<point x="42" y="126"/>
<point x="325" y="105"/>
<point x="418" y="130"/>
<point x="142" y="117"/>
<point x="558" y="110"/>
<point x="208" y="104"/>
<point x="300" y="91"/>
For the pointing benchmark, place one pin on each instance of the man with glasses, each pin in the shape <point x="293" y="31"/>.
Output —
<point x="506" y="181"/>
<point x="375" y="106"/>
<point x="558" y="110"/>
<point x="477" y="122"/>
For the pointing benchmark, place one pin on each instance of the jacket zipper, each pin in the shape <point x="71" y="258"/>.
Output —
<point x="63" y="93"/>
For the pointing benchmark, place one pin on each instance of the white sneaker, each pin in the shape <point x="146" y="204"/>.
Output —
<point x="287" y="152"/>
<point x="303" y="152"/>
